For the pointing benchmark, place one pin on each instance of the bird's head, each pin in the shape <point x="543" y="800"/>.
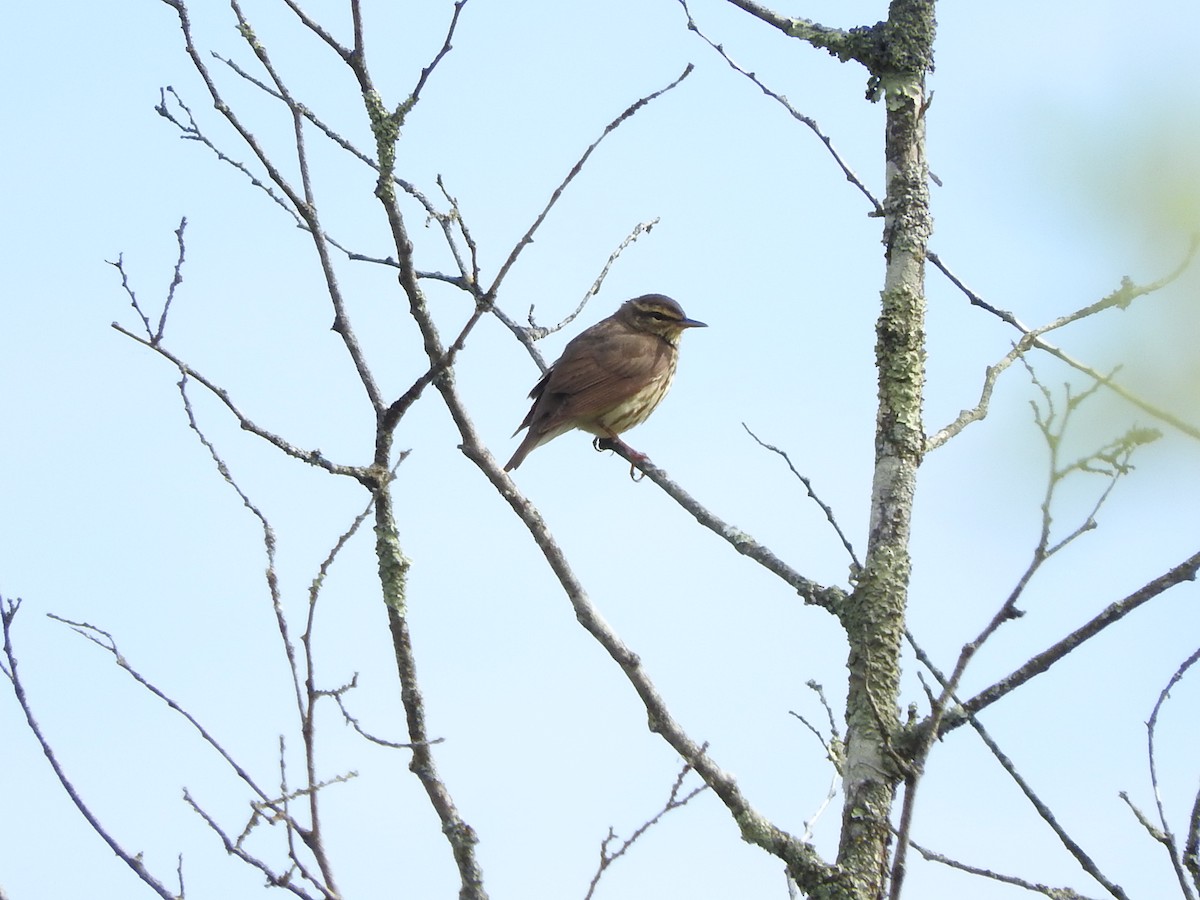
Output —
<point x="657" y="314"/>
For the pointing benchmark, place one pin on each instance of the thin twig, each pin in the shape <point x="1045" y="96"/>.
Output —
<point x="527" y="237"/>
<point x="300" y="200"/>
<point x="802" y="860"/>
<point x="8" y="614"/>
<point x="1114" y="612"/>
<point x="338" y="696"/>
<point x="1055" y="893"/>
<point x="807" y="121"/>
<point x="312" y="835"/>
<point x="528" y="335"/>
<point x="1112" y="461"/>
<point x="1167" y="836"/>
<point x="105" y="641"/>
<point x="415" y="96"/>
<point x="1085" y="861"/>
<point x="1031" y="338"/>
<point x="674" y="801"/>
<point x="855" y="564"/>
<point x="312" y="457"/>
<point x="835" y="752"/>
<point x="235" y="849"/>
<point x="536" y="332"/>
<point x="827" y="597"/>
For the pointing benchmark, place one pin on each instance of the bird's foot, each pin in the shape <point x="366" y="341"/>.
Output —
<point x="614" y="443"/>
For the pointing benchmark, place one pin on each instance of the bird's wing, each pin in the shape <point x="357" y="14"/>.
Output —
<point x="607" y="371"/>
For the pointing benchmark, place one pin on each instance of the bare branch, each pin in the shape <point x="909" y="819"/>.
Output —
<point x="415" y="96"/>
<point x="829" y="598"/>
<point x="393" y="566"/>
<point x="301" y="201"/>
<point x="674" y="801"/>
<point x="445" y="220"/>
<point x="783" y="101"/>
<point x="1191" y="849"/>
<point x="980" y="410"/>
<point x="235" y="849"/>
<point x="1111" y="461"/>
<point x="303" y="690"/>
<point x="312" y="457"/>
<point x="1047" y="816"/>
<point x="612" y="126"/>
<point x="835" y="752"/>
<point x="802" y="860"/>
<point x="155" y="334"/>
<point x="468" y="275"/>
<point x="1163" y="833"/>
<point x="8" y="614"/>
<point x="316" y="28"/>
<point x="536" y="332"/>
<point x="191" y="131"/>
<point x="529" y="335"/>
<point x="395" y="412"/>
<point x="105" y="641"/>
<point x="1184" y="571"/>
<point x="845" y="45"/>
<point x="338" y="695"/>
<point x="1031" y="338"/>
<point x="1054" y="893"/>
<point x="856" y="566"/>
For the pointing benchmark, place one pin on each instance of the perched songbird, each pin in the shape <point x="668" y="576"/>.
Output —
<point x="610" y="377"/>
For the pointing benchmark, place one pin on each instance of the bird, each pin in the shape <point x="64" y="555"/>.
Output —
<point x="610" y="377"/>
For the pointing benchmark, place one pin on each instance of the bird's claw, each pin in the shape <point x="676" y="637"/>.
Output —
<point x="614" y="443"/>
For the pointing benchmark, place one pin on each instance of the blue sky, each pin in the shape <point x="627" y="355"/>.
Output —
<point x="1066" y="148"/>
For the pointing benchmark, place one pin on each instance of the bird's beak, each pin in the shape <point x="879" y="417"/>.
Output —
<point x="692" y="323"/>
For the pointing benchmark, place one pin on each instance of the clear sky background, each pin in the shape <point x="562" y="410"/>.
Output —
<point x="1066" y="142"/>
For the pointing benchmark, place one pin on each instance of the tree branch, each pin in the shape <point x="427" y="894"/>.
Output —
<point x="612" y="126"/>
<point x="8" y="614"/>
<point x="1114" y="612"/>
<point x="826" y="597"/>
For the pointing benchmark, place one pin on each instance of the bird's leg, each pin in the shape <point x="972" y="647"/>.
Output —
<point x="613" y="442"/>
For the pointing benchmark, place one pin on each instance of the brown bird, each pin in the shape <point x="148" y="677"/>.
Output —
<point x="610" y="377"/>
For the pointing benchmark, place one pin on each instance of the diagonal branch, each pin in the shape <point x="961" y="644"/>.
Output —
<point x="8" y="614"/>
<point x="826" y="597"/>
<point x="1031" y="338"/>
<point x="1054" y="893"/>
<point x="612" y="126"/>
<point x="808" y="121"/>
<point x="312" y="457"/>
<point x="106" y="642"/>
<point x="802" y="860"/>
<point x="1081" y="857"/>
<point x="845" y="45"/>
<point x="856" y="566"/>
<point x="446" y="47"/>
<point x="301" y="201"/>
<point x="1168" y="836"/>
<point x="1184" y="571"/>
<point x="674" y="801"/>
